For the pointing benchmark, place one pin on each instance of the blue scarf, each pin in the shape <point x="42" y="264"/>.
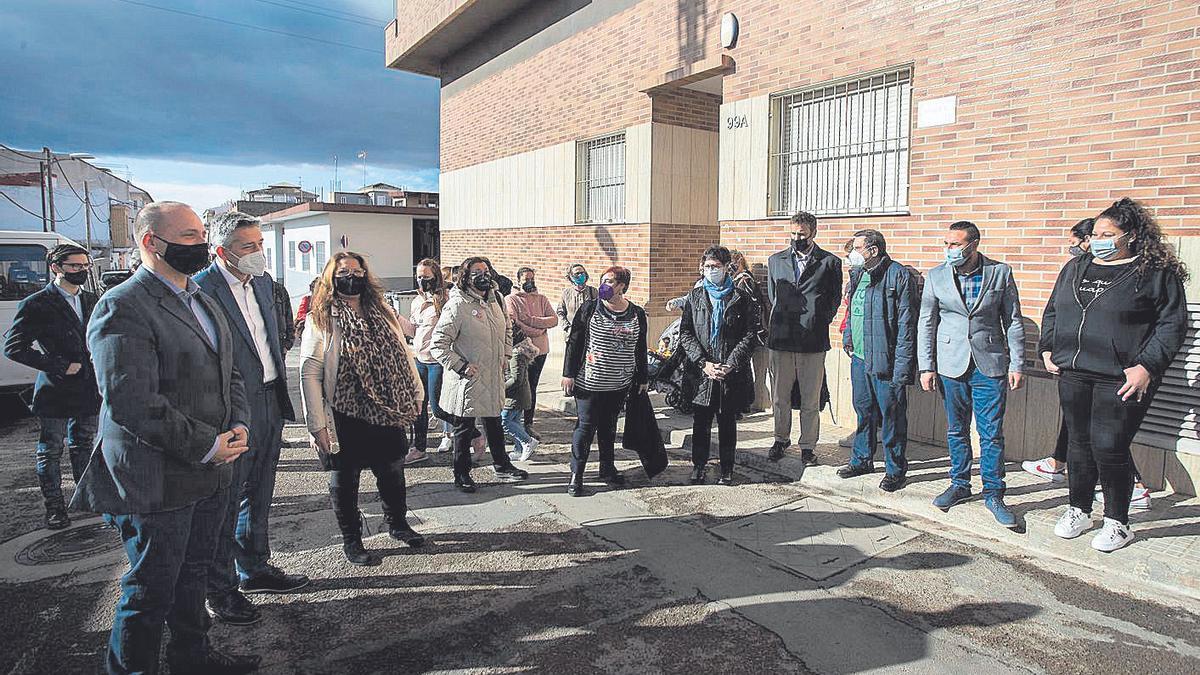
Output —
<point x="717" y="295"/>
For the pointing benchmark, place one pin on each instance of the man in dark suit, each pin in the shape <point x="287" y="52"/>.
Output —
<point x="65" y="398"/>
<point x="238" y="281"/>
<point x="804" y="284"/>
<point x="174" y="418"/>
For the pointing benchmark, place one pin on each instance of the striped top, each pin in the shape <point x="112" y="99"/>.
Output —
<point x="610" y="361"/>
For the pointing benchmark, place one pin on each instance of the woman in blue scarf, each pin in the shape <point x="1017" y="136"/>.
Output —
<point x="719" y="333"/>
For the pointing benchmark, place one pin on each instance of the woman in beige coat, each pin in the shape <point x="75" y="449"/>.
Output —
<point x="473" y="342"/>
<point x="361" y="390"/>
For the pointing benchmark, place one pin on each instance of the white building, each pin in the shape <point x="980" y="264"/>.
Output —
<point x="299" y="241"/>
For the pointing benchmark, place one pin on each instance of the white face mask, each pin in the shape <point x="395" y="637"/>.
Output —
<point x="254" y="264"/>
<point x="856" y="259"/>
<point x="714" y="275"/>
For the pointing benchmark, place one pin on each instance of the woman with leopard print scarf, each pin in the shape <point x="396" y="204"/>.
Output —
<point x="361" y="391"/>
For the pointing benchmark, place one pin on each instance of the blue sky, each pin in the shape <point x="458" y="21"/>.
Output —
<point x="198" y="110"/>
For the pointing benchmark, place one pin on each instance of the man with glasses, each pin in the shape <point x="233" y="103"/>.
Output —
<point x="65" y="397"/>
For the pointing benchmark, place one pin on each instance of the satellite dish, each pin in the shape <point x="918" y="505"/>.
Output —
<point x="729" y="30"/>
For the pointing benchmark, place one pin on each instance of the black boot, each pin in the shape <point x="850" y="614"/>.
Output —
<point x="56" y="516"/>
<point x="464" y="483"/>
<point x="610" y="475"/>
<point x="395" y="504"/>
<point x="349" y="520"/>
<point x="356" y="553"/>
<point x="575" y="487"/>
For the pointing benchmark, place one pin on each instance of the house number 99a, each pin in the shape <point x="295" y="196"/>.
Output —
<point x="736" y="122"/>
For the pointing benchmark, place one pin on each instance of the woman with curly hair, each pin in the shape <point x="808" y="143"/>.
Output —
<point x="1114" y="322"/>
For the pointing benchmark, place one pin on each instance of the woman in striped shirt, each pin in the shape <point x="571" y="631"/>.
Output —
<point x="605" y="358"/>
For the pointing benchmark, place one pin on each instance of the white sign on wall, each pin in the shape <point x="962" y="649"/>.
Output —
<point x="936" y="112"/>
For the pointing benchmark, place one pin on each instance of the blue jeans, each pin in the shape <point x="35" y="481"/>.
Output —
<point x="514" y="425"/>
<point x="974" y="392"/>
<point x="431" y="379"/>
<point x="882" y="407"/>
<point x="169" y="554"/>
<point x="244" y="543"/>
<point x="74" y="432"/>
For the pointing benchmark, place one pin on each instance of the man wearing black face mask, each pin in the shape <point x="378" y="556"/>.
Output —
<point x="534" y="314"/>
<point x="804" y="283"/>
<point x="173" y="419"/>
<point x="65" y="398"/>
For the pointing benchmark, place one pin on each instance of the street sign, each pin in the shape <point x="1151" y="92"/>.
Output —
<point x="305" y="246"/>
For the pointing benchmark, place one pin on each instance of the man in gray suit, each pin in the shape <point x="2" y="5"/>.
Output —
<point x="173" y="420"/>
<point x="970" y="336"/>
<point x="238" y="281"/>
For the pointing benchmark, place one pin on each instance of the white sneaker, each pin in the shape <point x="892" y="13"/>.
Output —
<point x="514" y="456"/>
<point x="530" y="448"/>
<point x="1139" y="501"/>
<point x="1072" y="523"/>
<point x="1112" y="536"/>
<point x="1044" y="469"/>
<point x="446" y="445"/>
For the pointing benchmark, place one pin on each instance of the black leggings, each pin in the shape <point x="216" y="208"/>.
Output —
<point x="702" y="432"/>
<point x="1101" y="428"/>
<point x="465" y="432"/>
<point x="1060" y="449"/>
<point x="367" y="446"/>
<point x="598" y="413"/>
<point x="535" y="376"/>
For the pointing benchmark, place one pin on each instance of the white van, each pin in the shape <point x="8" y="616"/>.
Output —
<point x="23" y="272"/>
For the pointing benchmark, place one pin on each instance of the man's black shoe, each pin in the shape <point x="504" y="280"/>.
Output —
<point x="698" y="474"/>
<point x="465" y="483"/>
<point x="610" y="475"/>
<point x="273" y="580"/>
<point x="892" y="483"/>
<point x="357" y="554"/>
<point x="213" y="662"/>
<point x="808" y="457"/>
<point x="855" y="470"/>
<point x="57" y="518"/>
<point x="776" y="452"/>
<point x="726" y="478"/>
<point x="232" y="608"/>
<point x="509" y="474"/>
<point x="575" y="487"/>
<point x="401" y="531"/>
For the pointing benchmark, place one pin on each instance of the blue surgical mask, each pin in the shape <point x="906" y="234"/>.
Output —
<point x="955" y="257"/>
<point x="1105" y="248"/>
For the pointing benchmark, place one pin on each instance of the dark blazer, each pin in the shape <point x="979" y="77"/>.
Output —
<point x="48" y="319"/>
<point x="245" y="355"/>
<point x="167" y="395"/>
<point x="577" y="341"/>
<point x="890" y="311"/>
<point x="801" y="310"/>
<point x="736" y="340"/>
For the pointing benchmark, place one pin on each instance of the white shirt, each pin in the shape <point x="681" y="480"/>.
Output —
<point x="243" y="294"/>
<point x="801" y="261"/>
<point x="72" y="300"/>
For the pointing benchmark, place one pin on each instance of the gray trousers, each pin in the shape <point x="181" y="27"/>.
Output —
<point x="786" y="370"/>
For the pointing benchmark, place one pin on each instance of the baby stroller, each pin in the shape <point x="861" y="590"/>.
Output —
<point x="671" y="373"/>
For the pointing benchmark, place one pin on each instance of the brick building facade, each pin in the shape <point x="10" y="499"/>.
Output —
<point x="1021" y="115"/>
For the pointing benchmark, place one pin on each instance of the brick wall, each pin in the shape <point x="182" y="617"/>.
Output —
<point x="687" y="108"/>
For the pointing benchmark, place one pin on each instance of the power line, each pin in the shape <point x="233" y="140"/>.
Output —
<point x="320" y="13"/>
<point x="38" y="215"/>
<point x="81" y="199"/>
<point x="376" y="21"/>
<point x="36" y="158"/>
<point x="251" y="26"/>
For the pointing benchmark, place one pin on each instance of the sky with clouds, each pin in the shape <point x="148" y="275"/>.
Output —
<point x="198" y="110"/>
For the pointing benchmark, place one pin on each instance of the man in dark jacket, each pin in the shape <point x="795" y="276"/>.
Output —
<point x="719" y="331"/>
<point x="65" y="398"/>
<point x="174" y="418"/>
<point x="881" y="340"/>
<point x="804" y="284"/>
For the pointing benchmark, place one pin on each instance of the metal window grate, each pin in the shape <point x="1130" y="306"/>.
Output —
<point x="600" y="183"/>
<point x="1173" y="420"/>
<point x="843" y="148"/>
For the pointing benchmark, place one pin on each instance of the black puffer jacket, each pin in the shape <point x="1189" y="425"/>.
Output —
<point x="735" y="344"/>
<point x="1140" y="319"/>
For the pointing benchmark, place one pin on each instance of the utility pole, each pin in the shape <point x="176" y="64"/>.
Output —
<point x="42" y="176"/>
<point x="362" y="154"/>
<point x="87" y="216"/>
<point x="50" y="187"/>
<point x="336" y="186"/>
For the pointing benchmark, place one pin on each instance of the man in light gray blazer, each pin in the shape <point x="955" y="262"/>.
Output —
<point x="970" y="337"/>
<point x="172" y="421"/>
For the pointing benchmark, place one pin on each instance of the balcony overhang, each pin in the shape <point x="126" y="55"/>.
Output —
<point x="432" y="30"/>
<point x="696" y="75"/>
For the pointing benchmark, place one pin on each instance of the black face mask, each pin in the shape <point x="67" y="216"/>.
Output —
<point x="529" y="287"/>
<point x="482" y="281"/>
<point x="78" y="278"/>
<point x="185" y="258"/>
<point x="800" y="243"/>
<point x="426" y="284"/>
<point x="1076" y="251"/>
<point x="350" y="285"/>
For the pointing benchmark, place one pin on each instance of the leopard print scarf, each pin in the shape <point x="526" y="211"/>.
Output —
<point x="374" y="381"/>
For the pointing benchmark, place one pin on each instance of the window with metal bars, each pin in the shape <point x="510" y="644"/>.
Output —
<point x="841" y="148"/>
<point x="600" y="179"/>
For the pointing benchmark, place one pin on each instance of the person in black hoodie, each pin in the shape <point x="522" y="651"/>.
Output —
<point x="1114" y="323"/>
<point x="66" y="398"/>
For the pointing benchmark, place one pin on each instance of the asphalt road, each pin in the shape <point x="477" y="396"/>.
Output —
<point x="659" y="577"/>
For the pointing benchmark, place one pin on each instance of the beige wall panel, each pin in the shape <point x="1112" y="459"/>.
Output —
<point x="743" y="159"/>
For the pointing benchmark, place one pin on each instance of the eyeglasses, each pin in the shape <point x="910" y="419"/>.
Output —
<point x="349" y="273"/>
<point x="75" y="267"/>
